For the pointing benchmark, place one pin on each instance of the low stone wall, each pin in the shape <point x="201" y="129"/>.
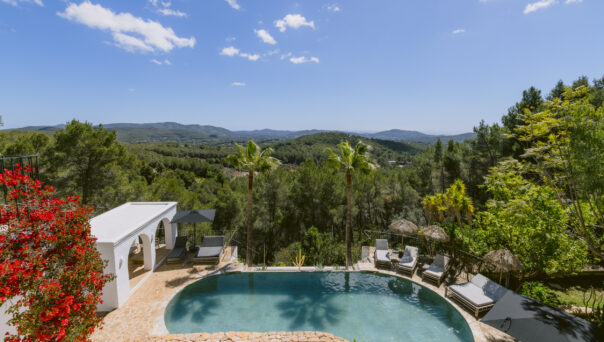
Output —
<point x="309" y="336"/>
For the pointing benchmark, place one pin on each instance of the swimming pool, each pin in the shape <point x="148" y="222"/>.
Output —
<point x="354" y="305"/>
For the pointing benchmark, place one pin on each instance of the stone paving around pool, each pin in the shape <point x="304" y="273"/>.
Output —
<point x="141" y="318"/>
<point x="309" y="336"/>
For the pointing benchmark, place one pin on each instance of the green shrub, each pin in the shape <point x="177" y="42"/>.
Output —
<point x="540" y="292"/>
<point x="323" y="249"/>
<point x="319" y="248"/>
<point x="287" y="255"/>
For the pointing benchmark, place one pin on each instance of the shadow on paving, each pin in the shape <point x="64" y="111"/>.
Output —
<point x="194" y="273"/>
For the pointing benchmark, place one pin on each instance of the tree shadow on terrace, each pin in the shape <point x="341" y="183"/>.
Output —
<point x="195" y="273"/>
<point x="566" y="324"/>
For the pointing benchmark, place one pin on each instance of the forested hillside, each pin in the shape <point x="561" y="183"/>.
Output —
<point x="195" y="134"/>
<point x="537" y="179"/>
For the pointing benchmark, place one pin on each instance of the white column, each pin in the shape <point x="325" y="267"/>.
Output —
<point x="149" y="251"/>
<point x="115" y="265"/>
<point x="171" y="231"/>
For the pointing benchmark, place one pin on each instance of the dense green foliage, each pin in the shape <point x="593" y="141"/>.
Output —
<point x="540" y="292"/>
<point x="537" y="179"/>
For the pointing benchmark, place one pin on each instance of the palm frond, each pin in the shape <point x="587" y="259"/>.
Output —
<point x="251" y="157"/>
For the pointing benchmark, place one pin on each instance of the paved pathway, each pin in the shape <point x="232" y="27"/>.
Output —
<point x="310" y="336"/>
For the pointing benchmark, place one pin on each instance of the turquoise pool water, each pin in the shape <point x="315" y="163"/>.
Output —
<point x="361" y="305"/>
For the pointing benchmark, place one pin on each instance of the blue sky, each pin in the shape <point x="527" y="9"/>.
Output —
<point x="437" y="66"/>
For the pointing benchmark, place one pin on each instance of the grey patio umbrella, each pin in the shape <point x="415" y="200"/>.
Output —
<point x="504" y="261"/>
<point x="529" y="320"/>
<point x="194" y="216"/>
<point x="404" y="227"/>
<point x="435" y="233"/>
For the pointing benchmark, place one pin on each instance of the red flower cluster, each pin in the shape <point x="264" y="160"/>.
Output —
<point x="50" y="269"/>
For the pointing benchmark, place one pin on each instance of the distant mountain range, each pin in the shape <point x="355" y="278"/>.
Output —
<point x="172" y="131"/>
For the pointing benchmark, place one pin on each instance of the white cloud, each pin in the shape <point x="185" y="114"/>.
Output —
<point x="131" y="90"/>
<point x="334" y="8"/>
<point x="459" y="30"/>
<point x="573" y="1"/>
<point x="238" y="84"/>
<point x="233" y="51"/>
<point x="171" y="12"/>
<point x="163" y="8"/>
<point x="158" y="62"/>
<point x="535" y="6"/>
<point x="230" y="39"/>
<point x="284" y="56"/>
<point x="16" y="2"/>
<point x="252" y="57"/>
<point x="266" y="37"/>
<point x="271" y="52"/>
<point x="229" y="51"/>
<point x="129" y="32"/>
<point x="303" y="59"/>
<point x="234" y="4"/>
<point x="294" y="21"/>
<point x="130" y="43"/>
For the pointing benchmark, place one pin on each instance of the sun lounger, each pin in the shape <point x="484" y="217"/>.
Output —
<point x="408" y="262"/>
<point x="478" y="295"/>
<point x="179" y="251"/>
<point x="210" y="250"/>
<point x="437" y="269"/>
<point x="382" y="256"/>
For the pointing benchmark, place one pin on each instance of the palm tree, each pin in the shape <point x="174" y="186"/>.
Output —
<point x="251" y="159"/>
<point x="351" y="161"/>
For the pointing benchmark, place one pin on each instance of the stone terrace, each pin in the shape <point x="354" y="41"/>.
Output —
<point x="141" y="318"/>
<point x="309" y="336"/>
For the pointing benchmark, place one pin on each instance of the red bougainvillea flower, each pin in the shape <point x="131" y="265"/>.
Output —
<point x="50" y="270"/>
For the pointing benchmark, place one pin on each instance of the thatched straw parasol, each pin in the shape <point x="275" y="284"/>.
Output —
<point x="435" y="233"/>
<point x="503" y="260"/>
<point x="403" y="227"/>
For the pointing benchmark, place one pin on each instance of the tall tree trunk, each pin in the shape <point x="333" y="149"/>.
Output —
<point x="348" y="219"/>
<point x="442" y="176"/>
<point x="250" y="203"/>
<point x="84" y="194"/>
<point x="463" y="233"/>
<point x="469" y="218"/>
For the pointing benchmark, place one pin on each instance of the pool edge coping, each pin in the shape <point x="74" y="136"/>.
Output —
<point x="160" y="320"/>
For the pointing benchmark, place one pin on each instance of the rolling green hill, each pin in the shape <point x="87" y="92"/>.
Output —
<point x="292" y="152"/>
<point x="175" y="132"/>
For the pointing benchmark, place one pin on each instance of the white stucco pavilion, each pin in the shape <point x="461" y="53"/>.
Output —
<point x="117" y="230"/>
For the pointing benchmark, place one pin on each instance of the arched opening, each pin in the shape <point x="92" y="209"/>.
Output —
<point x="161" y="240"/>
<point x="147" y="252"/>
<point x="139" y="259"/>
